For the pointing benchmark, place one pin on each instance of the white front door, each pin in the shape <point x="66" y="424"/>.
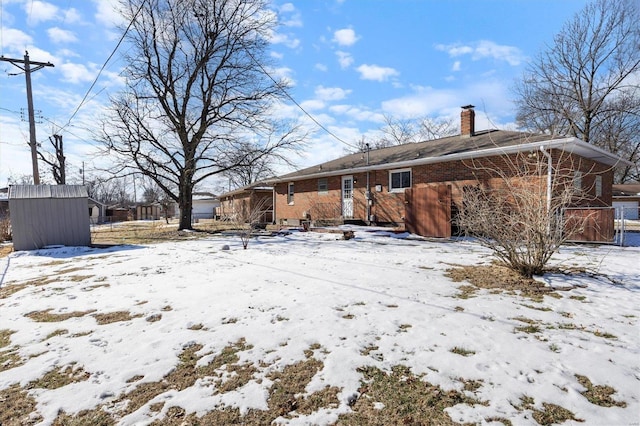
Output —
<point x="347" y="197"/>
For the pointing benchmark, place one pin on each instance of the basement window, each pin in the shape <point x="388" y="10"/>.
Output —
<point x="399" y="180"/>
<point x="290" y="193"/>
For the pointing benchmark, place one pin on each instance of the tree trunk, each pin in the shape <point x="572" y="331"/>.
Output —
<point x="186" y="204"/>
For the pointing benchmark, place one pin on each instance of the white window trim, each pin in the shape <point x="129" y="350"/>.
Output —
<point x="391" y="172"/>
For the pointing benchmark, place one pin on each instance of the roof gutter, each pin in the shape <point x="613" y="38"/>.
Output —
<point x="532" y="146"/>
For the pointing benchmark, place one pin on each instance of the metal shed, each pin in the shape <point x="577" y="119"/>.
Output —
<point x="43" y="215"/>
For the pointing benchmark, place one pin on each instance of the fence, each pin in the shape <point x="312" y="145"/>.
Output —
<point x="601" y="224"/>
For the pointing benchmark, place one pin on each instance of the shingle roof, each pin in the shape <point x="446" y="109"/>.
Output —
<point x="17" y="192"/>
<point x="488" y="142"/>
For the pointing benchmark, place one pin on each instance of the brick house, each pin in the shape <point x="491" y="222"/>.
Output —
<point x="238" y="203"/>
<point x="419" y="185"/>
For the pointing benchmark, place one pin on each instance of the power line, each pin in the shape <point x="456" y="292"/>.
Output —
<point x="113" y="52"/>
<point x="286" y="93"/>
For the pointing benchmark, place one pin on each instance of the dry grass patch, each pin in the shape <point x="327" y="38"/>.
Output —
<point x="58" y="332"/>
<point x="5" y="250"/>
<point x="59" y="377"/>
<point x="9" y="359"/>
<point x="598" y="394"/>
<point x="153" y="232"/>
<point x="550" y="413"/>
<point x="10" y="288"/>
<point x="96" y="417"/>
<point x="47" y="316"/>
<point x="17" y="407"/>
<point x="111" y="317"/>
<point x="5" y="337"/>
<point x="95" y="286"/>
<point x="400" y="397"/>
<point x="462" y="351"/>
<point x="495" y="277"/>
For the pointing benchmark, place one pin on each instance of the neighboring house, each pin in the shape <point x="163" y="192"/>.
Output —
<point x="241" y="202"/>
<point x="97" y="211"/>
<point x="43" y="215"/>
<point x="420" y="185"/>
<point x="148" y="211"/>
<point x="626" y="200"/>
<point x="205" y="205"/>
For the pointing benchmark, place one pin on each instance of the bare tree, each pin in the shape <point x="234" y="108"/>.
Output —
<point x="517" y="208"/>
<point x="585" y="84"/>
<point x="197" y="91"/>
<point x="153" y="194"/>
<point x="56" y="160"/>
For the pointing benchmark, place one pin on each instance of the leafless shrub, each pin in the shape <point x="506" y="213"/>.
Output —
<point x="5" y="229"/>
<point x="248" y="216"/>
<point x="517" y="207"/>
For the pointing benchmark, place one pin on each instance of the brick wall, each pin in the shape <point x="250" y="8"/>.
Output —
<point x="389" y="207"/>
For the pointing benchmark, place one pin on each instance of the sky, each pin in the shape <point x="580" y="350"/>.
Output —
<point x="378" y="300"/>
<point x="350" y="63"/>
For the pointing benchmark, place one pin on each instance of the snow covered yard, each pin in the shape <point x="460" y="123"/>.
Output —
<point x="306" y="328"/>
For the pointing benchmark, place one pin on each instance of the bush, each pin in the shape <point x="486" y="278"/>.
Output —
<point x="5" y="229"/>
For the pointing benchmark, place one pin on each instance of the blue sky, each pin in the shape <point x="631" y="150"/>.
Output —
<point x="349" y="62"/>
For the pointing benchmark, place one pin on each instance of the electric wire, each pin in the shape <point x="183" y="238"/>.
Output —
<point x="113" y="52"/>
<point x="286" y="93"/>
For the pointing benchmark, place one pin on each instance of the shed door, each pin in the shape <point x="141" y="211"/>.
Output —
<point x="347" y="197"/>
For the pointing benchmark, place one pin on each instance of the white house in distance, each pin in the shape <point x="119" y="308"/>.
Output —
<point x="626" y="200"/>
<point x="205" y="205"/>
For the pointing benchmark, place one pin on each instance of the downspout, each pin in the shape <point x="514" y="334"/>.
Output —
<point x="549" y="171"/>
<point x="549" y="182"/>
<point x="273" y="198"/>
<point x="368" y="193"/>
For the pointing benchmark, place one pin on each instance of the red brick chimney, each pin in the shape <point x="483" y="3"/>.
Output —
<point x="467" y="121"/>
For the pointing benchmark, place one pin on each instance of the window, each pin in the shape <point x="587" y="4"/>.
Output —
<point x="399" y="180"/>
<point x="598" y="186"/>
<point x="323" y="186"/>
<point x="290" y="193"/>
<point x="577" y="181"/>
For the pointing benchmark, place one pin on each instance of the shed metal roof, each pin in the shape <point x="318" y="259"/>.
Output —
<point x="23" y="192"/>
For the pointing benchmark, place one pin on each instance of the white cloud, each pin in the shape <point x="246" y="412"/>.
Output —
<point x="295" y="20"/>
<point x="345" y="37"/>
<point x="77" y="73"/>
<point x="277" y="55"/>
<point x="287" y="40"/>
<point x="16" y="39"/>
<point x="485" y="49"/>
<point x="331" y="93"/>
<point x="344" y="59"/>
<point x="284" y="73"/>
<point x="321" y="67"/>
<point x="376" y="73"/>
<point x="456" y="66"/>
<point x="107" y="14"/>
<point x="58" y="35"/>
<point x="313" y="104"/>
<point x="72" y="16"/>
<point x="40" y="11"/>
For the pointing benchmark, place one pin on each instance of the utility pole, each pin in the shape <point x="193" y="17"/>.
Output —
<point x="26" y="67"/>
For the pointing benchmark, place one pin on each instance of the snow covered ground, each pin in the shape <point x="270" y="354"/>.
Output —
<point x="289" y="293"/>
